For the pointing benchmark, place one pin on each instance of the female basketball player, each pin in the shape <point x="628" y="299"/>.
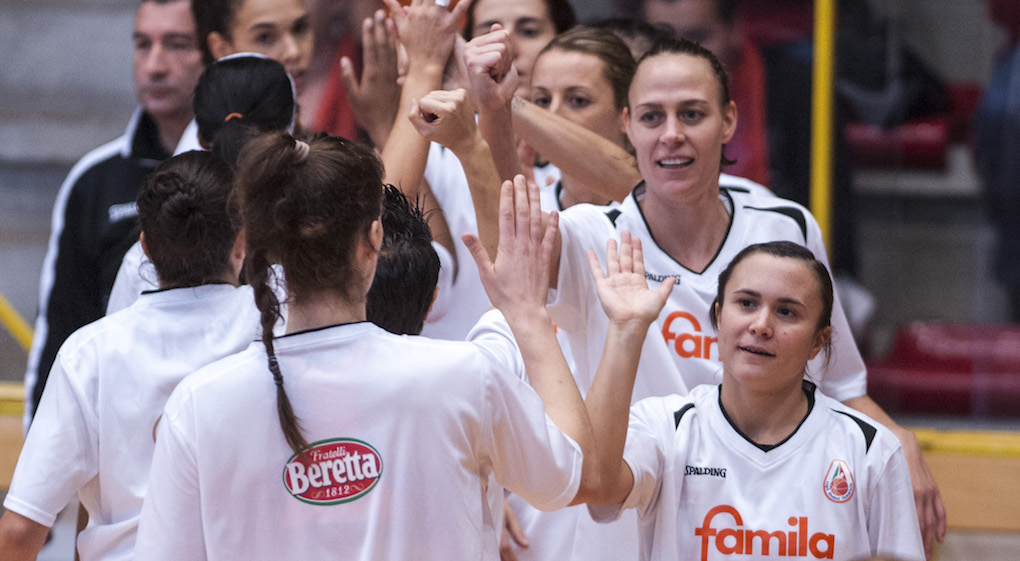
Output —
<point x="93" y="433"/>
<point x="763" y="465"/>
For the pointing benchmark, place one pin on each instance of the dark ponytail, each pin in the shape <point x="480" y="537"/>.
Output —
<point x="239" y="97"/>
<point x="304" y="205"/>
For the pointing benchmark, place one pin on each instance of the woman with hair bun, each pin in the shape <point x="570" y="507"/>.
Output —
<point x="93" y="433"/>
<point x="237" y="98"/>
<point x="363" y="444"/>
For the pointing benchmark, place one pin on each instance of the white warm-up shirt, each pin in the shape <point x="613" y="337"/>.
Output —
<point x="406" y="432"/>
<point x="837" y="488"/>
<point x="93" y="433"/>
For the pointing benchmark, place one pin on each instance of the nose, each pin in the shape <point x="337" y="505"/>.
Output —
<point x="761" y="323"/>
<point x="154" y="63"/>
<point x="673" y="131"/>
<point x="555" y="105"/>
<point x="291" y="50"/>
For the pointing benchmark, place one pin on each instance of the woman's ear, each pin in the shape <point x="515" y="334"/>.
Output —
<point x="375" y="235"/>
<point x="219" y="46"/>
<point x="821" y="340"/>
<point x="145" y="248"/>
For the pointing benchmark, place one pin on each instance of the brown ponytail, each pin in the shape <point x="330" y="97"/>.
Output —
<point x="303" y="206"/>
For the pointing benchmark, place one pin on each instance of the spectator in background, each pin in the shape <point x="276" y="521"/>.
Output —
<point x="997" y="135"/>
<point x="95" y="216"/>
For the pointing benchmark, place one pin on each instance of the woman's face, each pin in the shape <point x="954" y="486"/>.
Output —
<point x="573" y="85"/>
<point x="279" y="29"/>
<point x="528" y="23"/>
<point x="768" y="323"/>
<point x="676" y="124"/>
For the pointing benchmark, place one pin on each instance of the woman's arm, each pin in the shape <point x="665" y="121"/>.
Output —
<point x="448" y="118"/>
<point x="577" y="151"/>
<point x="631" y="308"/>
<point x="517" y="283"/>
<point x="428" y="32"/>
<point x="21" y="538"/>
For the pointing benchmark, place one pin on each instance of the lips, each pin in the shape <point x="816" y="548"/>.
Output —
<point x="758" y="351"/>
<point x="674" y="163"/>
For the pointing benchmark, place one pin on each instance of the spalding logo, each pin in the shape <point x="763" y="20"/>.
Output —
<point x="333" y="471"/>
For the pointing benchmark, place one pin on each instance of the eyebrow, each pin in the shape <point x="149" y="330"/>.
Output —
<point x="782" y="300"/>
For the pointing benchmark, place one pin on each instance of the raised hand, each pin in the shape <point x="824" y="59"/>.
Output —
<point x="488" y="60"/>
<point x="517" y="282"/>
<point x="623" y="289"/>
<point x="445" y="117"/>
<point x="376" y="97"/>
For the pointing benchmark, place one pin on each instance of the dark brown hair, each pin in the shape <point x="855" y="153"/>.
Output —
<point x="210" y="16"/>
<point x="617" y="61"/>
<point x="189" y="224"/>
<point x="304" y="205"/>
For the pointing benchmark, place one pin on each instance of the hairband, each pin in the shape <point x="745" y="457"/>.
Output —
<point x="233" y="116"/>
<point x="302" y="148"/>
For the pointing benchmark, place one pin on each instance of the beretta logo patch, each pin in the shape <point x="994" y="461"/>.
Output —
<point x="839" y="482"/>
<point x="333" y="471"/>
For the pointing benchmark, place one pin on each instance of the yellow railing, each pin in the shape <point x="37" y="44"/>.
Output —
<point x="821" y="115"/>
<point x="15" y="324"/>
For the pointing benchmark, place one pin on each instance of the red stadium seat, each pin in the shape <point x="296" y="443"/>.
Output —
<point x="950" y="369"/>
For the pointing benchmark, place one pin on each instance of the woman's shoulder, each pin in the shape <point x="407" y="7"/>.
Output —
<point x="872" y="436"/>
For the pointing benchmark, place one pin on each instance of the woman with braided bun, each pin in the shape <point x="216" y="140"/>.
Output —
<point x="93" y="433"/>
<point x="341" y="440"/>
<point x="237" y="98"/>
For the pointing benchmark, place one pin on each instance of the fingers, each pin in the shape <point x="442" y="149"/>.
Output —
<point x="513" y="527"/>
<point x="479" y="254"/>
<point x="347" y="75"/>
<point x="626" y="253"/>
<point x="507" y="230"/>
<point x="595" y="266"/>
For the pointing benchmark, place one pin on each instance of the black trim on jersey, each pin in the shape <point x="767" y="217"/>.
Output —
<point x="735" y="188"/>
<point x="718" y="250"/>
<point x="322" y="327"/>
<point x="809" y="390"/>
<point x="679" y="413"/>
<point x="612" y="215"/>
<point x="868" y="430"/>
<point x="795" y="213"/>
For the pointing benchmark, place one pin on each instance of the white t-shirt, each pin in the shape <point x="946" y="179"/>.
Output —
<point x="407" y="432"/>
<point x="837" y="488"/>
<point x="93" y="432"/>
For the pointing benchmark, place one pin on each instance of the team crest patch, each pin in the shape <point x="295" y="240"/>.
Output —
<point x="839" y="482"/>
<point x="333" y="471"/>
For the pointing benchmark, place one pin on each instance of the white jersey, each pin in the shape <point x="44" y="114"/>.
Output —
<point x="406" y="433"/>
<point x="837" y="488"/>
<point x="93" y="433"/>
<point x="681" y="350"/>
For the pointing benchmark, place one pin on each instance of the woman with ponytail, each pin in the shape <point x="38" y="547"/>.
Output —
<point x="338" y="439"/>
<point x="93" y="433"/>
<point x="237" y="98"/>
